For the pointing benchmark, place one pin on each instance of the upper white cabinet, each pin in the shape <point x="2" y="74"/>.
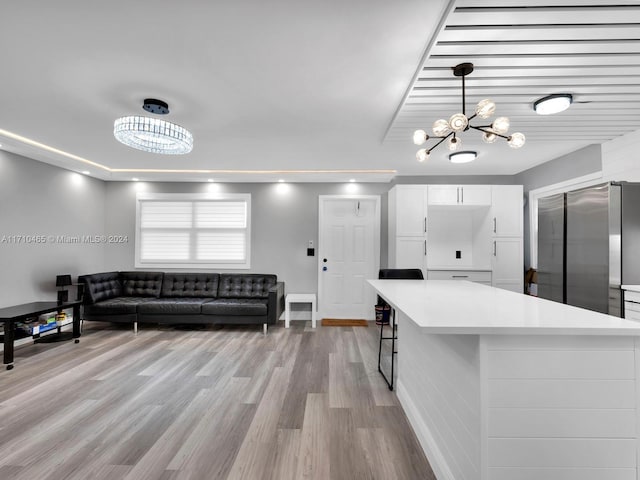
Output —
<point x="411" y="216"/>
<point x="506" y="208"/>
<point x="478" y="195"/>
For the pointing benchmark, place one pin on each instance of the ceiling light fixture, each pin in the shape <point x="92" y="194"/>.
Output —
<point x="459" y="122"/>
<point x="463" y="157"/>
<point x="152" y="134"/>
<point x="553" y="104"/>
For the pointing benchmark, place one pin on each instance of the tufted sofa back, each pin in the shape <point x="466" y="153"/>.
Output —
<point x="101" y="286"/>
<point x="141" y="284"/>
<point x="233" y="285"/>
<point x="202" y="285"/>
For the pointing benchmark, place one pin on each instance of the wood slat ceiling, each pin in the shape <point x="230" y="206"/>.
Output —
<point x="590" y="49"/>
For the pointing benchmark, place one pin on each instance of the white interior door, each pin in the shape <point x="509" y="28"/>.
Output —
<point x="349" y="255"/>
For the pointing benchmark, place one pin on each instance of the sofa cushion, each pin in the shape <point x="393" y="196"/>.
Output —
<point x="172" y="306"/>
<point x="235" y="306"/>
<point x="101" y="286"/>
<point x="245" y="285"/>
<point x="141" y="284"/>
<point x="115" y="306"/>
<point x="197" y="285"/>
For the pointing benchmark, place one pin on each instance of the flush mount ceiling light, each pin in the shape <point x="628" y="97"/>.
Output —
<point x="152" y="134"/>
<point x="553" y="104"/>
<point x="459" y="122"/>
<point x="463" y="157"/>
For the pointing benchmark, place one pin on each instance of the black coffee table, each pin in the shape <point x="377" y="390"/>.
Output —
<point x="11" y="315"/>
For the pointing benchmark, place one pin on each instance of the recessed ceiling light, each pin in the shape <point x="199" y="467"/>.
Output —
<point x="462" y="157"/>
<point x="552" y="104"/>
<point x="352" y="180"/>
<point x="210" y="180"/>
<point x="86" y="172"/>
<point x="281" y="180"/>
<point x="135" y="179"/>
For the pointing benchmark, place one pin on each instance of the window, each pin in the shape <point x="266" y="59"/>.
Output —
<point x="193" y="230"/>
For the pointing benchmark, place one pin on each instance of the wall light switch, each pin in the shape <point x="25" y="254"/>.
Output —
<point x="458" y="253"/>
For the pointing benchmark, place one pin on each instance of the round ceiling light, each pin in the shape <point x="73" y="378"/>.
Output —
<point x="463" y="157"/>
<point x="553" y="104"/>
<point x="151" y="134"/>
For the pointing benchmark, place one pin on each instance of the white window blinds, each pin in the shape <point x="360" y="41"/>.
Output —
<point x="176" y="230"/>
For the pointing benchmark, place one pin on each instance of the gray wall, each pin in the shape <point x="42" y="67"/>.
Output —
<point x="41" y="200"/>
<point x="576" y="164"/>
<point x="282" y="223"/>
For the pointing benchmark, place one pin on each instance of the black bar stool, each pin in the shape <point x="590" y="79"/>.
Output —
<point x="393" y="274"/>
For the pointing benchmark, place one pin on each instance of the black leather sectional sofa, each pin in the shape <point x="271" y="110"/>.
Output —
<point x="183" y="298"/>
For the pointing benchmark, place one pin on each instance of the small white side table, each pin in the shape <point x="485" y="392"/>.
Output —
<point x="299" y="298"/>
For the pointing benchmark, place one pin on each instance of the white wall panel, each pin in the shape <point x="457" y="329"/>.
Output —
<point x="562" y="452"/>
<point x="507" y="473"/>
<point x="561" y="364"/>
<point x="441" y="375"/>
<point x="553" y="422"/>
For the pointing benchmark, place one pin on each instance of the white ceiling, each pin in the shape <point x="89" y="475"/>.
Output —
<point x="307" y="90"/>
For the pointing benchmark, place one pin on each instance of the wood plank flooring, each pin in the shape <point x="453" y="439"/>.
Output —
<point x="222" y="403"/>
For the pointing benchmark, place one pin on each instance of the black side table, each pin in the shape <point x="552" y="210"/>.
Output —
<point x="11" y="315"/>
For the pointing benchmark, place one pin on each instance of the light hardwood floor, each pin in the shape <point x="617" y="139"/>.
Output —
<point x="215" y="403"/>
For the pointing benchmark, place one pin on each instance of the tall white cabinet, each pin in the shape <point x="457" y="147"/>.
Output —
<point x="507" y="262"/>
<point x="409" y="224"/>
<point x="460" y="232"/>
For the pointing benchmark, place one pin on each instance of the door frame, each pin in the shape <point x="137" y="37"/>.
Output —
<point x="376" y="244"/>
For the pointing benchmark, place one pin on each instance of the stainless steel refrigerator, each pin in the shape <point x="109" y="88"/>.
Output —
<point x="587" y="244"/>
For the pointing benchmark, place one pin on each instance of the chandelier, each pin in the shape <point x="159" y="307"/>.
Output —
<point x="459" y="122"/>
<point x="152" y="134"/>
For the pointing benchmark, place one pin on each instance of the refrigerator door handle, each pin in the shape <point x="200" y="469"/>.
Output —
<point x="494" y="248"/>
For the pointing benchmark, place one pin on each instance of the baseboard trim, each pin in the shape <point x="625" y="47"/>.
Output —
<point x="434" y="455"/>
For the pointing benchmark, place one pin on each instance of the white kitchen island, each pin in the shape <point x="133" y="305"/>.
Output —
<point x="503" y="386"/>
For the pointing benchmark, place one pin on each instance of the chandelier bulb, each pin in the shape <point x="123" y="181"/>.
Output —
<point x="500" y="125"/>
<point x="458" y="122"/>
<point x="489" y="137"/>
<point x="454" y="144"/>
<point x="441" y="128"/>
<point x="422" y="155"/>
<point x="419" y="137"/>
<point x="516" y="140"/>
<point x="485" y="108"/>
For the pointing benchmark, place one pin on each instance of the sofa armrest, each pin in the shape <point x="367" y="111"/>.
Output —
<point x="276" y="303"/>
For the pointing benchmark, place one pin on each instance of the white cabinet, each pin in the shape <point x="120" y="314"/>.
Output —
<point x="477" y="195"/>
<point x="507" y="249"/>
<point x="506" y="208"/>
<point x="507" y="263"/>
<point x="411" y="252"/>
<point x="445" y="229"/>
<point x="476" y="276"/>
<point x="632" y="305"/>
<point x="408" y="227"/>
<point x="411" y="214"/>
